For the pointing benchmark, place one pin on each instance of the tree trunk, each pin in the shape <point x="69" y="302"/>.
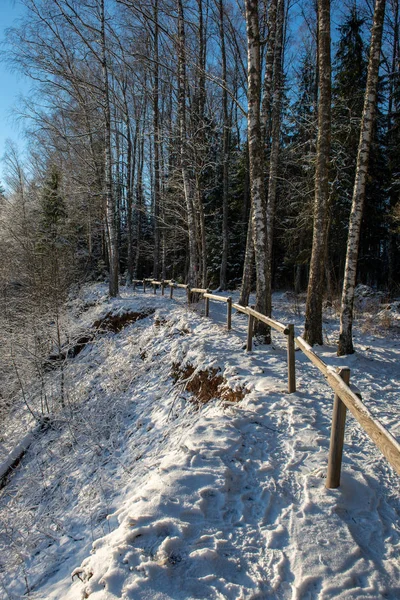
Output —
<point x="248" y="265"/>
<point x="156" y="216"/>
<point x="130" y="171"/>
<point x="345" y="345"/>
<point x="275" y="131"/>
<point x="200" y="147"/>
<point x="187" y="183"/>
<point x="225" y="155"/>
<point x="313" y="321"/>
<point x="139" y="205"/>
<point x="263" y="287"/>
<point x="269" y="73"/>
<point x="111" y="227"/>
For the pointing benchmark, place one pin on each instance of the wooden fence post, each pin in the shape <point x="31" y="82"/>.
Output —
<point x="144" y="286"/>
<point x="134" y="285"/>
<point x="154" y="288"/>
<point x="229" y="313"/>
<point x="171" y="289"/>
<point x="188" y="292"/>
<point x="250" y="328"/>
<point x="337" y="435"/>
<point x="291" y="361"/>
<point x="162" y="287"/>
<point x="207" y="305"/>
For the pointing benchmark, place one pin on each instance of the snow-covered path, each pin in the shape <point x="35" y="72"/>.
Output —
<point x="225" y="501"/>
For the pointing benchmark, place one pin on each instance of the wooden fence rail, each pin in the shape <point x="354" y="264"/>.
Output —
<point x="287" y="330"/>
<point x="346" y="396"/>
<point x="349" y="397"/>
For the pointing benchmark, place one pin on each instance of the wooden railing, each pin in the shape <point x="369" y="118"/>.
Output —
<point x="349" y="397"/>
<point x="346" y="395"/>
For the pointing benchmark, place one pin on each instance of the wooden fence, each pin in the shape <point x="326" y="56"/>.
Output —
<point x="346" y="396"/>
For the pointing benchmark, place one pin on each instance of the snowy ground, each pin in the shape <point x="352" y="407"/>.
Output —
<point x="225" y="501"/>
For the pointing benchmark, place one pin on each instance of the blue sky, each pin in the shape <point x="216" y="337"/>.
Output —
<point x="12" y="83"/>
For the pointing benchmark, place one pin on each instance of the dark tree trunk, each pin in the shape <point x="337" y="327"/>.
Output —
<point x="111" y="226"/>
<point x="225" y="155"/>
<point x="315" y="290"/>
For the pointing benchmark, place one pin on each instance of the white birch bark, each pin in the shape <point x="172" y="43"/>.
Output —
<point x="345" y="345"/>
<point x="266" y="103"/>
<point x="257" y="188"/>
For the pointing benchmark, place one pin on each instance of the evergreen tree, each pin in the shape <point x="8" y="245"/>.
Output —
<point x="393" y="154"/>
<point x="53" y="207"/>
<point x="297" y="180"/>
<point x="350" y="76"/>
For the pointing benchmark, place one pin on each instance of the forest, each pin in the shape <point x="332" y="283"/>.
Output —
<point x="230" y="145"/>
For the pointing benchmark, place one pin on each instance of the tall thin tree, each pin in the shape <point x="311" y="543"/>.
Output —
<point x="345" y="345"/>
<point x="313" y="320"/>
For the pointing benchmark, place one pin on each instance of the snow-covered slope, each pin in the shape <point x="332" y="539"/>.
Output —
<point x="222" y="500"/>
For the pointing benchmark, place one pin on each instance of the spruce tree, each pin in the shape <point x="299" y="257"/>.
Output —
<point x="53" y="209"/>
<point x="349" y="81"/>
<point x="350" y="77"/>
<point x="298" y="176"/>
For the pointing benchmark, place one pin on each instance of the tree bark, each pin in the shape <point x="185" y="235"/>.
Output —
<point x="225" y="155"/>
<point x="156" y="110"/>
<point x="187" y="183"/>
<point x="130" y="171"/>
<point x="275" y="131"/>
<point x="313" y="320"/>
<point x="139" y="204"/>
<point x="111" y="226"/>
<point x="269" y="74"/>
<point x="263" y="287"/>
<point x="345" y="345"/>
<point x="248" y="265"/>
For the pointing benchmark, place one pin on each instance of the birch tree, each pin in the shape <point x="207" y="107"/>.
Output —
<point x="265" y="126"/>
<point x="257" y="187"/>
<point x="345" y="345"/>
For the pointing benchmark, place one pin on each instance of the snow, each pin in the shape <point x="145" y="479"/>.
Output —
<point x="140" y="493"/>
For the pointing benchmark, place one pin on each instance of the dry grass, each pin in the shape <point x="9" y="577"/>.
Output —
<point x="375" y="323"/>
